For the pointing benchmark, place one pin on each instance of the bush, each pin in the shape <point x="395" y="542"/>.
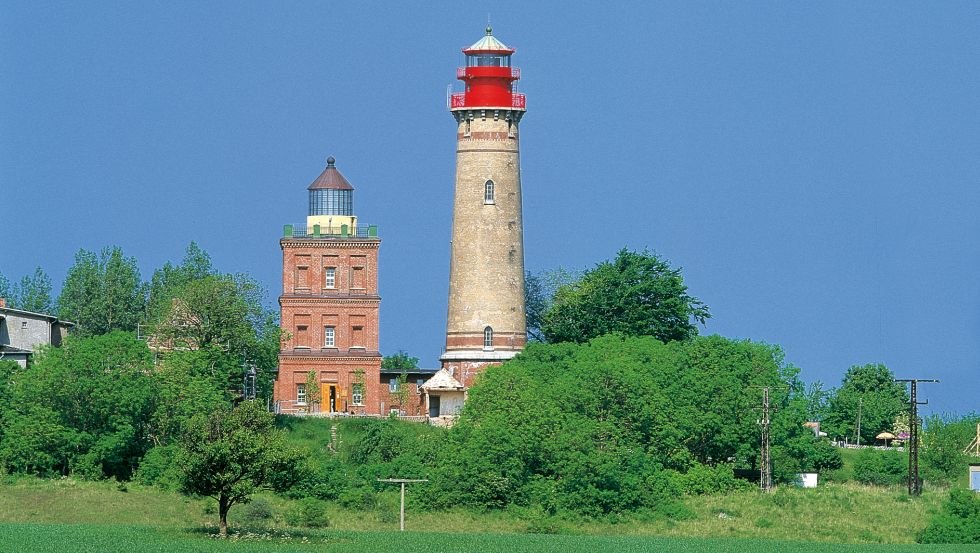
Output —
<point x="358" y="498"/>
<point x="159" y="469"/>
<point x="942" y="456"/>
<point x="958" y="522"/>
<point x="308" y="512"/>
<point x="702" y="479"/>
<point x="881" y="468"/>
<point x="258" y="511"/>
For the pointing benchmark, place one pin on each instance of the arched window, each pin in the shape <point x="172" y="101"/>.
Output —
<point x="488" y="192"/>
<point x="488" y="338"/>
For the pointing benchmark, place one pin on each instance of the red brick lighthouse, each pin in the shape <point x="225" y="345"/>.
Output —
<point x="486" y="322"/>
<point x="329" y="306"/>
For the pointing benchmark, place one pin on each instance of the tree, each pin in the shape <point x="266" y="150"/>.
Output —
<point x="83" y="408"/>
<point x="168" y="280"/>
<point x="189" y="383"/>
<point x="313" y="395"/>
<point x="539" y="292"/>
<point x="399" y="361"/>
<point x="816" y="397"/>
<point x="234" y="452"/>
<point x="871" y="389"/>
<point x="192" y="306"/>
<point x="636" y="294"/>
<point x="103" y="293"/>
<point x="612" y="425"/>
<point x="34" y="292"/>
<point x="6" y="292"/>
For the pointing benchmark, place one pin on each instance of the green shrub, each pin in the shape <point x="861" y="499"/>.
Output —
<point x="159" y="469"/>
<point x="308" y="512"/>
<point x="358" y="498"/>
<point x="958" y="522"/>
<point x="258" y="511"/>
<point x="881" y="468"/>
<point x="942" y="455"/>
<point x="702" y="479"/>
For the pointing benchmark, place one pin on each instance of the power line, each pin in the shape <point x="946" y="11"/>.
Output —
<point x="915" y="483"/>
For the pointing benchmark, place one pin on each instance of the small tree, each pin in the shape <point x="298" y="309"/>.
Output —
<point x="312" y="392"/>
<point x="232" y="453"/>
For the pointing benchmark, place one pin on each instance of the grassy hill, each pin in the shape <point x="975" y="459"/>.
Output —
<point x="835" y="513"/>
<point x="71" y="515"/>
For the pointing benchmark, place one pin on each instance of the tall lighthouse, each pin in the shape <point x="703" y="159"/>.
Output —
<point x="486" y="323"/>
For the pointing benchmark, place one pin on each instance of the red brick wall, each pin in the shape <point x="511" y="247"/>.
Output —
<point x="414" y="402"/>
<point x="351" y="307"/>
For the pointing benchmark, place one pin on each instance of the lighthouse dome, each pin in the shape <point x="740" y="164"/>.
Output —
<point x="488" y="45"/>
<point x="330" y="193"/>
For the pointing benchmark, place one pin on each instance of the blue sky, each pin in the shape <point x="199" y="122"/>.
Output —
<point x="815" y="169"/>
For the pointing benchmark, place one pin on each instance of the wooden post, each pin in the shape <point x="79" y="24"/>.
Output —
<point x="402" y="517"/>
<point x="401" y="481"/>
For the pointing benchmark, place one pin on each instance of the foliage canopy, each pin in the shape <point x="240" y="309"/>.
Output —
<point x="636" y="294"/>
<point x="232" y="453"/>
<point x="616" y="424"/>
<point x="872" y="390"/>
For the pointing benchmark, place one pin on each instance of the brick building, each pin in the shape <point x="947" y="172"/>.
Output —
<point x="329" y="306"/>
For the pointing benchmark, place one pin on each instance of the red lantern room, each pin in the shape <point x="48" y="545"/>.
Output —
<point x="488" y="76"/>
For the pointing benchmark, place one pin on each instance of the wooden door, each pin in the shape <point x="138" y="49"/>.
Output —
<point x="328" y="397"/>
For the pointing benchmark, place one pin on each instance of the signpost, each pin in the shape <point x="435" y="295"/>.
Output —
<point x="401" y="481"/>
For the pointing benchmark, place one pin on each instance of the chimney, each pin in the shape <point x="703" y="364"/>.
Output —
<point x="3" y="303"/>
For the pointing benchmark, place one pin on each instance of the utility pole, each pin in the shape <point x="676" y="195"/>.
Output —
<point x="860" y="401"/>
<point x="765" y="477"/>
<point x="402" y="481"/>
<point x="915" y="484"/>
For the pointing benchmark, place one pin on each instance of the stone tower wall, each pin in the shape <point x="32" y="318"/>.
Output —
<point x="486" y="284"/>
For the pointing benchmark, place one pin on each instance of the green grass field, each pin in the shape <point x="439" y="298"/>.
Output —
<point x="64" y="538"/>
<point x="75" y="515"/>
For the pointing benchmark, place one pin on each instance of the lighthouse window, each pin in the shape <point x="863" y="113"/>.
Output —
<point x="488" y="60"/>
<point x="329" y="336"/>
<point x="330" y="277"/>
<point x="488" y="192"/>
<point x="331" y="202"/>
<point x="488" y="338"/>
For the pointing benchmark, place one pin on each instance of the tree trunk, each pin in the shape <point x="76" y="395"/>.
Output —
<point x="223" y="506"/>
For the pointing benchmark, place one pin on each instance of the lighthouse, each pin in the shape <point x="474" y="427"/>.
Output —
<point x="486" y="322"/>
<point x="328" y="359"/>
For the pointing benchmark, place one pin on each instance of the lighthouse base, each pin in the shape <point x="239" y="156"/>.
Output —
<point x="466" y="365"/>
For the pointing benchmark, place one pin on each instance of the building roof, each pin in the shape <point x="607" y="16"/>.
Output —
<point x="488" y="45"/>
<point x="20" y="312"/>
<point x="6" y="349"/>
<point x="442" y="380"/>
<point x="330" y="179"/>
<point x="410" y="372"/>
